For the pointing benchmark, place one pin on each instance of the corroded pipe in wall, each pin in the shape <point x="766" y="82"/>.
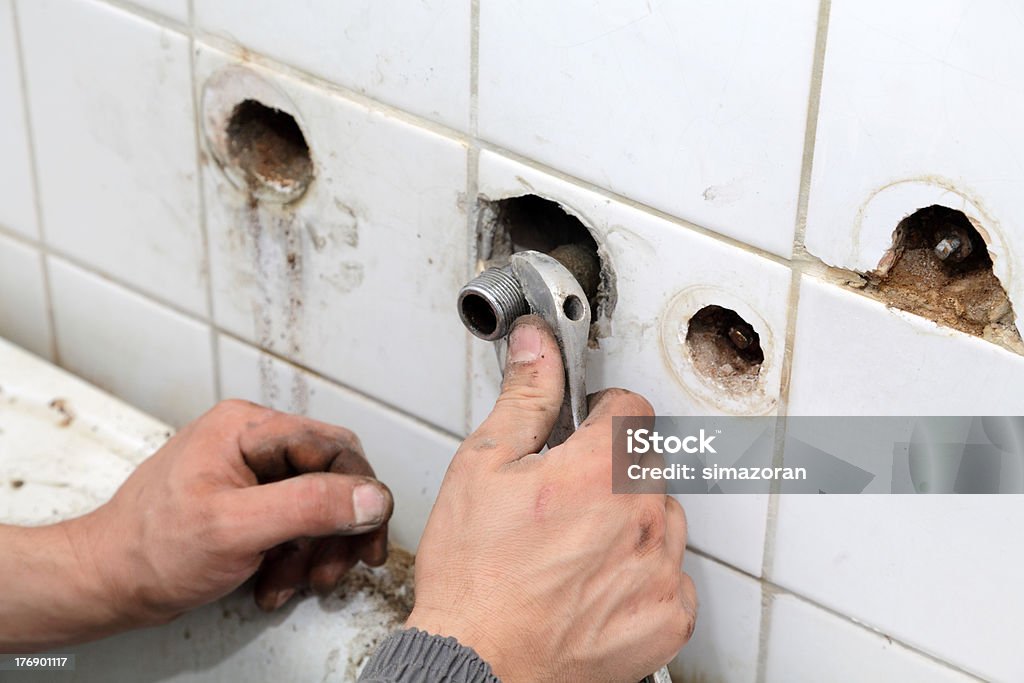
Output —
<point x="491" y="302"/>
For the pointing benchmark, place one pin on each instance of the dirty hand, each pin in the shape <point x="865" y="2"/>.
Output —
<point x="243" y="489"/>
<point x="532" y="561"/>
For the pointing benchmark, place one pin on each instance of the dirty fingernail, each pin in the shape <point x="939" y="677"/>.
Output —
<point x="283" y="597"/>
<point x="369" y="505"/>
<point x="524" y="344"/>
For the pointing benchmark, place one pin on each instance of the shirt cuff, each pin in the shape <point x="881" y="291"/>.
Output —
<point x="413" y="656"/>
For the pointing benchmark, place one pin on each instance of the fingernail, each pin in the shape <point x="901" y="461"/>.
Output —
<point x="524" y="344"/>
<point x="369" y="504"/>
<point x="283" y="597"/>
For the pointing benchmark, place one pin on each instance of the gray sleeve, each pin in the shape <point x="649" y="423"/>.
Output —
<point x="412" y="656"/>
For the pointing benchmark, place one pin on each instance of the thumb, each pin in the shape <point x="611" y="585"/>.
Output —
<point x="315" y="504"/>
<point x="531" y="396"/>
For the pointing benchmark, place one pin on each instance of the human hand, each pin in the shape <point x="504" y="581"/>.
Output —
<point x="532" y="561"/>
<point x="243" y="489"/>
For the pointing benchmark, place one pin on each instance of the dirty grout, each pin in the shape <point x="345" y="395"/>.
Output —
<point x="206" y="267"/>
<point x="796" y="274"/>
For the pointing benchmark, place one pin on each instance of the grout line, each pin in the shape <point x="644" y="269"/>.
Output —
<point x="239" y="52"/>
<point x="217" y="330"/>
<point x="796" y="272"/>
<point x="775" y="590"/>
<point x="151" y="15"/>
<point x="37" y="201"/>
<point x="200" y="188"/>
<point x="634" y="204"/>
<point x="811" y="131"/>
<point x="474" y="68"/>
<point x="401" y="412"/>
<point x="471" y="207"/>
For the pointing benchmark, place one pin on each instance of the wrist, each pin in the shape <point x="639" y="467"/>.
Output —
<point x="53" y="598"/>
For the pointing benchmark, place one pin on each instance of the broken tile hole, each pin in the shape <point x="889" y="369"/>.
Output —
<point x="725" y="348"/>
<point x="269" y="149"/>
<point x="530" y="222"/>
<point x="939" y="268"/>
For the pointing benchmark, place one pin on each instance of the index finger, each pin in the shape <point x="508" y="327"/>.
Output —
<point x="283" y="445"/>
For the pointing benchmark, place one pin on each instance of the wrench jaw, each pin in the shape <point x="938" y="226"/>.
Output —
<point x="554" y="294"/>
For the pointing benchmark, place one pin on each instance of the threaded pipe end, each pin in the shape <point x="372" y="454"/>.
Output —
<point x="491" y="302"/>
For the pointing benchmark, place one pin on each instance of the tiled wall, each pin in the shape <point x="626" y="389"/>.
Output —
<point x="730" y="153"/>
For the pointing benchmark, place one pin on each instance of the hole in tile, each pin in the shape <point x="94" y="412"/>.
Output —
<point x="724" y="348"/>
<point x="939" y="267"/>
<point x="530" y="222"/>
<point x="269" y="149"/>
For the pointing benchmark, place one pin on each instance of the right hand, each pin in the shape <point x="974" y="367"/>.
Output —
<point x="532" y="561"/>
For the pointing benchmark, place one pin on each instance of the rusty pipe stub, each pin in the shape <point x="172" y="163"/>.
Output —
<point x="491" y="302"/>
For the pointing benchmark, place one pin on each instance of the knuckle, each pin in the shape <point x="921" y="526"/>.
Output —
<point x="525" y="398"/>
<point x="650" y="529"/>
<point x="625" y="403"/>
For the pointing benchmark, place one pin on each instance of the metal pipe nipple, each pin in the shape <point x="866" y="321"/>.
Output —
<point x="491" y="302"/>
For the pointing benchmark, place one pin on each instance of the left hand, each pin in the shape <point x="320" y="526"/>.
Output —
<point x="243" y="489"/>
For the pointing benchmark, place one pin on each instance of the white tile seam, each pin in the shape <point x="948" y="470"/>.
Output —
<point x="200" y="189"/>
<point x="190" y="315"/>
<point x="37" y="202"/>
<point x="227" y="333"/>
<point x="232" y="48"/>
<point x="774" y="590"/>
<point x="474" y="67"/>
<point x="376" y="402"/>
<point x="149" y="15"/>
<point x="472" y="187"/>
<point x="772" y="508"/>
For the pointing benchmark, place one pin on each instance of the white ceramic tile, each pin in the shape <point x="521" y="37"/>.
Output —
<point x="919" y="108"/>
<point x="663" y="273"/>
<point x="407" y="456"/>
<point x="152" y="357"/>
<point x="940" y="573"/>
<point x="175" y="9"/>
<point x="854" y="356"/>
<point x="809" y="644"/>
<point x="698" y="109"/>
<point x="724" y="645"/>
<point x="23" y="317"/>
<point x="111" y="108"/>
<point x="378" y="244"/>
<point x="414" y="56"/>
<point x="17" y="208"/>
